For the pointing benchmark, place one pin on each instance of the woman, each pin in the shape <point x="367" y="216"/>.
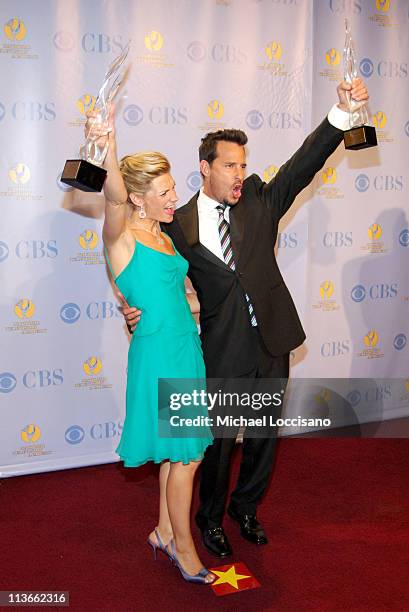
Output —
<point x="149" y="272"/>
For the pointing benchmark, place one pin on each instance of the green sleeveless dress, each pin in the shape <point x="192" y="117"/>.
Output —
<point x="165" y="344"/>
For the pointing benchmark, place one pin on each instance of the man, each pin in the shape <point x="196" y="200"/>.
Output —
<point x="248" y="320"/>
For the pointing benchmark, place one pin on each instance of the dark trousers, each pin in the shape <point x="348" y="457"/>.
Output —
<point x="256" y="462"/>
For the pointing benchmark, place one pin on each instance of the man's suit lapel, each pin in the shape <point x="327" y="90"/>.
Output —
<point x="237" y="229"/>
<point x="188" y="219"/>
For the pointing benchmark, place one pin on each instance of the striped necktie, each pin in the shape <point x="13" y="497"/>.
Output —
<point x="224" y="233"/>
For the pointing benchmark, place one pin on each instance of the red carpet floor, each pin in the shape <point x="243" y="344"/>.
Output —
<point x="337" y="515"/>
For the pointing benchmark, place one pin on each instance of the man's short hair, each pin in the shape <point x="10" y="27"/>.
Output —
<point x="208" y="147"/>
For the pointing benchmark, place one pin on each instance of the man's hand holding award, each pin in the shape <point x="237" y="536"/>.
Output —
<point x="87" y="173"/>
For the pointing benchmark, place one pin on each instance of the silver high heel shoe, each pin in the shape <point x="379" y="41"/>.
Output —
<point x="199" y="578"/>
<point x="159" y="545"/>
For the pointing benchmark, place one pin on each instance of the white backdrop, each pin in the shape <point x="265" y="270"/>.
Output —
<point x="269" y="67"/>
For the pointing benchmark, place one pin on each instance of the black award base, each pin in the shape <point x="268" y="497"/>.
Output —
<point x="83" y="175"/>
<point x="360" y="137"/>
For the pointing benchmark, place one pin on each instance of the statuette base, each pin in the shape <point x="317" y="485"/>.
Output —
<point x="83" y="175"/>
<point x="360" y="137"/>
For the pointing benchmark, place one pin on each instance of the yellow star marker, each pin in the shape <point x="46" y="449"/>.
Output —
<point x="229" y="577"/>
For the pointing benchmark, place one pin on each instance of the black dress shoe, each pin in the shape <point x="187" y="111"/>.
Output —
<point x="250" y="528"/>
<point x="216" y="542"/>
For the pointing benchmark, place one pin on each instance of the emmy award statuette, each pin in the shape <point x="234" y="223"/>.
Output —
<point x="86" y="173"/>
<point x="360" y="135"/>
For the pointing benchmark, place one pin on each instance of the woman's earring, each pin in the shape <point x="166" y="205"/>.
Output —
<point x="142" y="213"/>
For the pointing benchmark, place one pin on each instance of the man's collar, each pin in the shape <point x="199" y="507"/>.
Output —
<point x="204" y="202"/>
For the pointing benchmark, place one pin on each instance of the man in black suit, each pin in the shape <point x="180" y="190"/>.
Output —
<point x="248" y="321"/>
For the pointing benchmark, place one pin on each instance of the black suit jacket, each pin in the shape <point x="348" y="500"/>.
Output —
<point x="227" y="337"/>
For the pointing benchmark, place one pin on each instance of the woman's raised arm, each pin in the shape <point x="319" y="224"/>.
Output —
<point x="115" y="192"/>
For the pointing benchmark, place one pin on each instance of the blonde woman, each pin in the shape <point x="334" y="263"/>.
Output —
<point x="149" y="272"/>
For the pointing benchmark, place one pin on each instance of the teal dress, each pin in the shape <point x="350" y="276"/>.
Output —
<point x="165" y="344"/>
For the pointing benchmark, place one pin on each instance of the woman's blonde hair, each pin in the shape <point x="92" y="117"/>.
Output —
<point x="139" y="170"/>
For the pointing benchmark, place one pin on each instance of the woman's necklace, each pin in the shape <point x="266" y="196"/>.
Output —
<point x="156" y="234"/>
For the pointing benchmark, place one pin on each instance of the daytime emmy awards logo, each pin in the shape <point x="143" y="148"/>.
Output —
<point x="272" y="54"/>
<point x="326" y="303"/>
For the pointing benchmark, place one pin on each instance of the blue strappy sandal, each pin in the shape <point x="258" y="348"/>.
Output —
<point x="199" y="578"/>
<point x="159" y="545"/>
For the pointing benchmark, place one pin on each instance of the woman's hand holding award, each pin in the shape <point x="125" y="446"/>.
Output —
<point x="87" y="173"/>
<point x="360" y="135"/>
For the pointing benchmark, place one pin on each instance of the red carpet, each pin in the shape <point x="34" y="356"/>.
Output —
<point x="337" y="515"/>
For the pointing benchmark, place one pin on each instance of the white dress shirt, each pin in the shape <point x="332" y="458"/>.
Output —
<point x="340" y="119"/>
<point x="208" y="223"/>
